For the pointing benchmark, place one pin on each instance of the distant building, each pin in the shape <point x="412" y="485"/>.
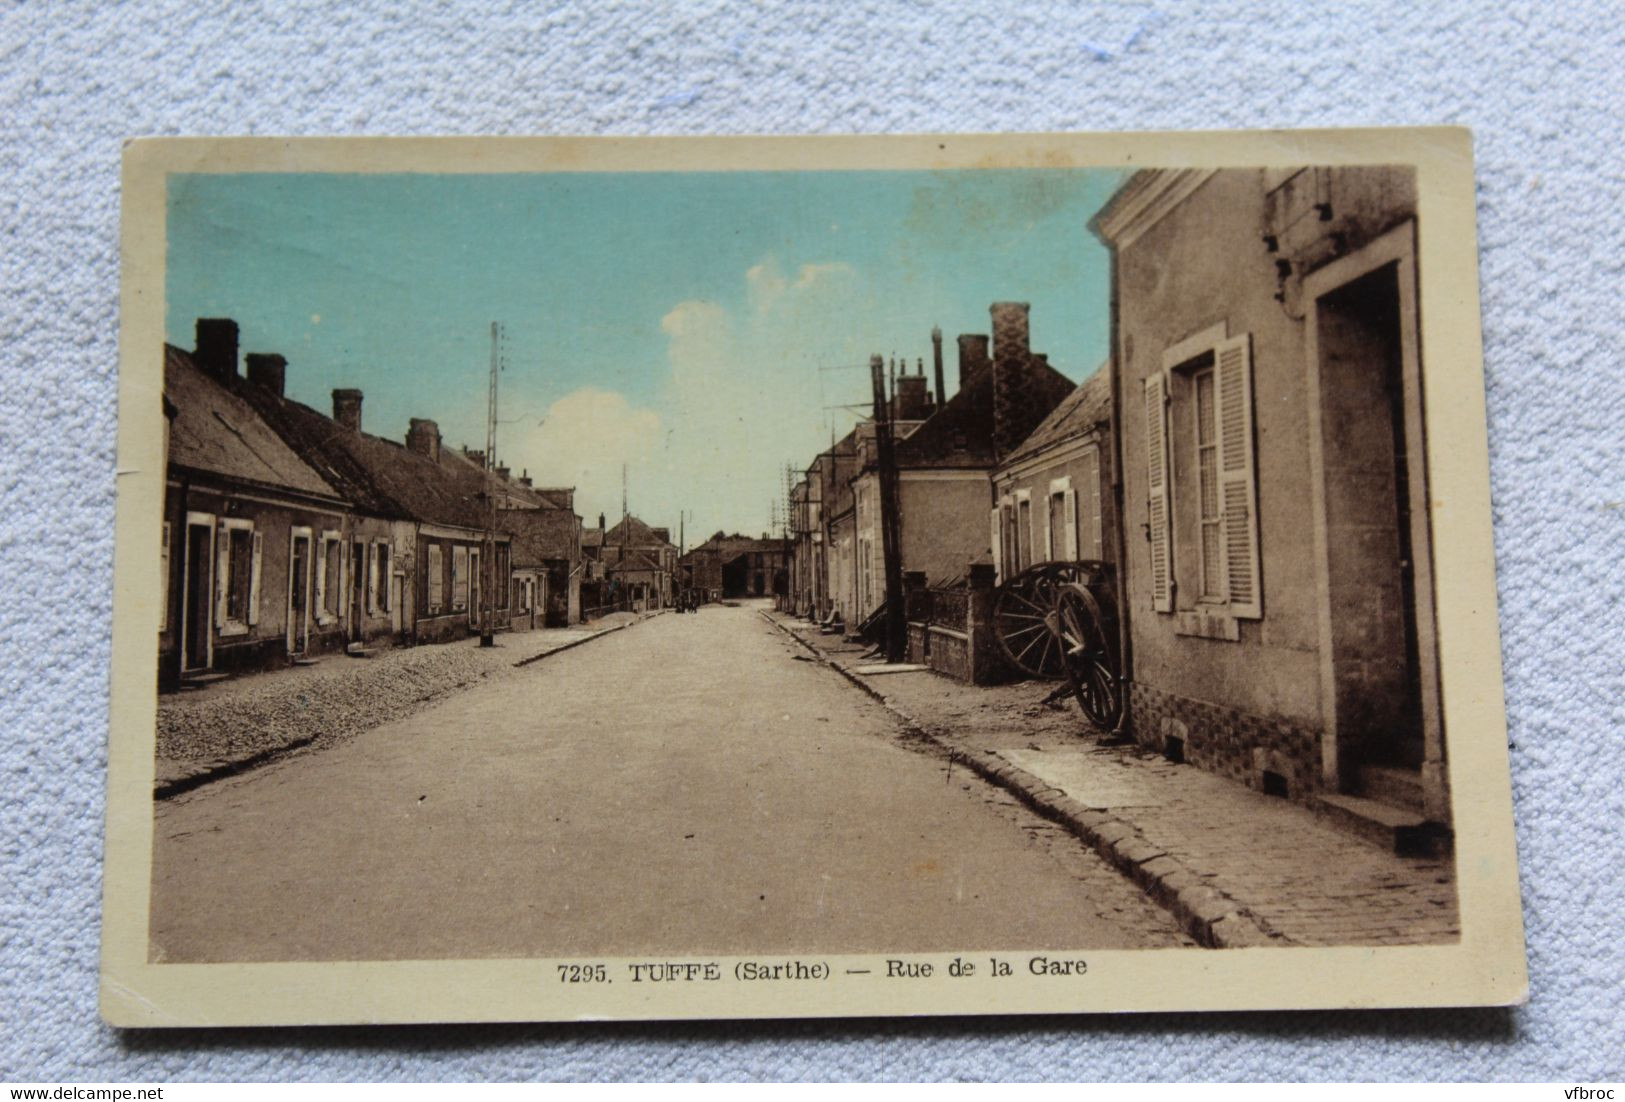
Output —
<point x="632" y="566"/>
<point x="735" y="566"/>
<point x="944" y="462"/>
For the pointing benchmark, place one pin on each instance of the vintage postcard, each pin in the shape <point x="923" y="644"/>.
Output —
<point x="669" y="578"/>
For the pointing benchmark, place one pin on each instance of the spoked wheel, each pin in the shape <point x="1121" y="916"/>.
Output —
<point x="1021" y="611"/>
<point x="1088" y="654"/>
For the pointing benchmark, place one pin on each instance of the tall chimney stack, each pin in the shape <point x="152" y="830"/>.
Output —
<point x="347" y="408"/>
<point x="216" y="351"/>
<point x="267" y="369"/>
<point x="423" y="437"/>
<point x="1010" y="340"/>
<point x="1012" y="378"/>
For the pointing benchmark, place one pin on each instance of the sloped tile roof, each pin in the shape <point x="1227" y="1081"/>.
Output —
<point x="1080" y="412"/>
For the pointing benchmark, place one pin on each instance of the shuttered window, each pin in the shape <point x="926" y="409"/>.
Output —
<point x="1237" y="477"/>
<point x="1156" y="467"/>
<point x="435" y="568"/>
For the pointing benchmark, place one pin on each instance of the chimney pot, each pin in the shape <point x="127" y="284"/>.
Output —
<point x="267" y="369"/>
<point x="347" y="408"/>
<point x="217" y="347"/>
<point x="423" y="437"/>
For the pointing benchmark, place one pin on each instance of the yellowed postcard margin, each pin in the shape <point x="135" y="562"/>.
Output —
<point x="1486" y="967"/>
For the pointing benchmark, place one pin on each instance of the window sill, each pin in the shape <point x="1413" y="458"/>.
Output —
<point x="1203" y="624"/>
<point x="231" y="629"/>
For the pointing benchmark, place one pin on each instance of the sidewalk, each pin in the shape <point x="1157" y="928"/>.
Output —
<point x="1238" y="868"/>
<point x="245" y="721"/>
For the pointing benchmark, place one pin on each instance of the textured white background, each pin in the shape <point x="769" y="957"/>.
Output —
<point x="1540" y="84"/>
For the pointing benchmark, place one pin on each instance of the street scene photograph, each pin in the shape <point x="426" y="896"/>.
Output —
<point x="582" y="564"/>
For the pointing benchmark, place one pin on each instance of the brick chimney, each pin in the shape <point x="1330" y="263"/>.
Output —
<point x="423" y="437"/>
<point x="267" y="369"/>
<point x="347" y="408"/>
<point x="1010" y="339"/>
<point x="216" y="352"/>
<point x="503" y="473"/>
<point x="973" y="358"/>
<point x="936" y="359"/>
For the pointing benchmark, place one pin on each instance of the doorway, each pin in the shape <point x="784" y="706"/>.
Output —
<point x="358" y="588"/>
<point x="299" y="557"/>
<point x="1378" y="657"/>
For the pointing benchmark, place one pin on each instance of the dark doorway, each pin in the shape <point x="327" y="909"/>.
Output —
<point x="199" y="596"/>
<point x="299" y="595"/>
<point x="736" y="577"/>
<point x="1372" y="571"/>
<point x="358" y="588"/>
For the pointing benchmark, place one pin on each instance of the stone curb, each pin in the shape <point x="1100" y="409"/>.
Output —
<point x="1207" y="914"/>
<point x="575" y="643"/>
<point x="218" y="769"/>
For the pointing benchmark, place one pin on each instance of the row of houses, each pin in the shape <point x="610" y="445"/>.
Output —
<point x="1249" y="462"/>
<point x="289" y="532"/>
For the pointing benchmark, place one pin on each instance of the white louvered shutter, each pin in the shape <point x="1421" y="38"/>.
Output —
<point x="1237" y="483"/>
<point x="998" y="547"/>
<point x="222" y="568"/>
<point x="1069" y="520"/>
<point x="254" y="582"/>
<point x="1156" y="471"/>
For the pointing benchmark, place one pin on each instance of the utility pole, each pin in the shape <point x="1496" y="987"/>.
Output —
<point x="626" y="589"/>
<point x="488" y="559"/>
<point x="896" y="618"/>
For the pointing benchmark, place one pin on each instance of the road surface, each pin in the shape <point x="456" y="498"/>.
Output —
<point x="689" y="785"/>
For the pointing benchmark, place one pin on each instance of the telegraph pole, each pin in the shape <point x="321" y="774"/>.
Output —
<point x="896" y="616"/>
<point x="488" y="559"/>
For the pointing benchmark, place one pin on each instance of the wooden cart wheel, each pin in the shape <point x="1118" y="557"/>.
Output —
<point x="1088" y="654"/>
<point x="1021" y="612"/>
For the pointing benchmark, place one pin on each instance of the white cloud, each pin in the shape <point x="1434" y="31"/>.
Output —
<point x="745" y="390"/>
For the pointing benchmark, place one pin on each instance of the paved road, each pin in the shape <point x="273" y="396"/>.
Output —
<point x="685" y="786"/>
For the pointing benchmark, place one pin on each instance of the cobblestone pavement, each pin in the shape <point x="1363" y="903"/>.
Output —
<point x="205" y="732"/>
<point x="1302" y="880"/>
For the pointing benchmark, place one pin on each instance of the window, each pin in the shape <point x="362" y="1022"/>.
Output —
<point x="1207" y="494"/>
<point x="237" y="576"/>
<point x="378" y="590"/>
<point x="436" y="569"/>
<point x="1061" y="531"/>
<point x="329" y="578"/>
<point x="1201" y="524"/>
<point x="1024" y="531"/>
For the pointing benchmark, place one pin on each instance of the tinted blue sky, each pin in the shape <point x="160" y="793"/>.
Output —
<point x="673" y="321"/>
